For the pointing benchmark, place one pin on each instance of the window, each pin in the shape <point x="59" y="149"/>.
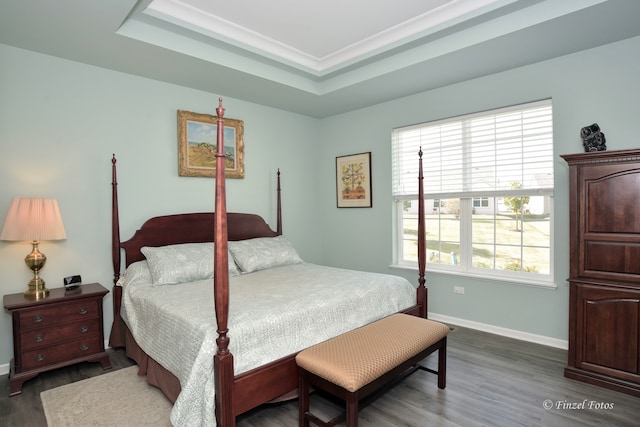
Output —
<point x="488" y="183"/>
<point x="480" y="202"/>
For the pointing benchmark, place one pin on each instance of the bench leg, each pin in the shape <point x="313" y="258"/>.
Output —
<point x="352" y="410"/>
<point x="442" y="365"/>
<point x="303" y="404"/>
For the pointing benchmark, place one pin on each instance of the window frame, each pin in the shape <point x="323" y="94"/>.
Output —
<point x="465" y="267"/>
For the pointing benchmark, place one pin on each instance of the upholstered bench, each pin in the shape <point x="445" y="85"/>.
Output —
<point x="356" y="365"/>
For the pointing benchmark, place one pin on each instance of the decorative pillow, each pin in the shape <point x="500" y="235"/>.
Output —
<point x="262" y="253"/>
<point x="182" y="263"/>
<point x="137" y="274"/>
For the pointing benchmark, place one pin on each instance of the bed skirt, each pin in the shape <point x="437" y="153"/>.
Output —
<point x="157" y="375"/>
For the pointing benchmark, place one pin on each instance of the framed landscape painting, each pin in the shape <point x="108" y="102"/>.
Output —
<point x="353" y="181"/>
<point x="197" y="139"/>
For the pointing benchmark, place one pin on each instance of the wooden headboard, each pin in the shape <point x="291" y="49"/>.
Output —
<point x="191" y="228"/>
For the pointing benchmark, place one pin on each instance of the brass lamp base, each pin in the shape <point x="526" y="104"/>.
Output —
<point x="35" y="261"/>
<point x="36" y="290"/>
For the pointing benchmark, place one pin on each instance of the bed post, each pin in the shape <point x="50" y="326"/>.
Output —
<point x="223" y="359"/>
<point x="279" y="208"/>
<point x="116" y="337"/>
<point x="421" y="292"/>
<point x="115" y="222"/>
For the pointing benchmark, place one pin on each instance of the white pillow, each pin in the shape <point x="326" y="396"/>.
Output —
<point x="182" y="263"/>
<point x="137" y="274"/>
<point x="263" y="252"/>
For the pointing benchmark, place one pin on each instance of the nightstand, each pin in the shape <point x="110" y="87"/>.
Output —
<point x="63" y="329"/>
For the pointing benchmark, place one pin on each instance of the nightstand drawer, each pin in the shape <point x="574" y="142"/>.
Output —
<point x="60" y="353"/>
<point x="56" y="334"/>
<point x="45" y="316"/>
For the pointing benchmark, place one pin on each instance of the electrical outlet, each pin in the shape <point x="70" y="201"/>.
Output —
<point x="458" y="290"/>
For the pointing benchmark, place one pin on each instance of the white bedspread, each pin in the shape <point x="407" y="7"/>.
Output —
<point x="272" y="313"/>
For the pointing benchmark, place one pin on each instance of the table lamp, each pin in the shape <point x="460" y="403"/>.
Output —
<point x="34" y="219"/>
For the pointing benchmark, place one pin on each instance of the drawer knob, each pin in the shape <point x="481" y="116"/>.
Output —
<point x="84" y="328"/>
<point x="38" y="318"/>
<point x="39" y="357"/>
<point x="84" y="347"/>
<point x="83" y="311"/>
<point x="38" y="338"/>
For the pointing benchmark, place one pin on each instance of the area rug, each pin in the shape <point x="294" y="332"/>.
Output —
<point x="120" y="398"/>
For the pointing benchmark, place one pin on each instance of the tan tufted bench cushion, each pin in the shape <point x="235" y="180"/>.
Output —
<point x="356" y="358"/>
<point x="358" y="365"/>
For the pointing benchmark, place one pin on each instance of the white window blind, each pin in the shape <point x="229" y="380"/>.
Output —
<point x="477" y="154"/>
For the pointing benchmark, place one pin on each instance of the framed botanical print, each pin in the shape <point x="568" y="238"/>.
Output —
<point x="197" y="140"/>
<point x="353" y="181"/>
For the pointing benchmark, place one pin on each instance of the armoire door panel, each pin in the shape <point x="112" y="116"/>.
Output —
<point x="612" y="257"/>
<point x="609" y="205"/>
<point x="611" y="333"/>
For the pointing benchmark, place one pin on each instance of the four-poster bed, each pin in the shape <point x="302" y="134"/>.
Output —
<point x="271" y="373"/>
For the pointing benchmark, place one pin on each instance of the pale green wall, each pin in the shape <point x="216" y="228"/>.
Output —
<point x="60" y="122"/>
<point x="599" y="85"/>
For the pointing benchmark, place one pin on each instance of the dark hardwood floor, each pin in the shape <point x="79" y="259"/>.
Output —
<point x="491" y="381"/>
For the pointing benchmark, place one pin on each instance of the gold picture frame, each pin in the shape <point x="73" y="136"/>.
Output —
<point x="353" y="181"/>
<point x="197" y="140"/>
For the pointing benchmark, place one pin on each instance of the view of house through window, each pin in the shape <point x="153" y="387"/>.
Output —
<point x="488" y="181"/>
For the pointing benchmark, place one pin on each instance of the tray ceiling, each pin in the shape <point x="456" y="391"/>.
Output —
<point x="314" y="58"/>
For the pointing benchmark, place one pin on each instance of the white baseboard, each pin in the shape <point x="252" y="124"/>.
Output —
<point x="497" y="330"/>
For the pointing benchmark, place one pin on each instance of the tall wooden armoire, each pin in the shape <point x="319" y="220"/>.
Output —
<point x="604" y="301"/>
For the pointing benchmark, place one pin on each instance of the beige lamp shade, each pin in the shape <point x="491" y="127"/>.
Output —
<point x="33" y="219"/>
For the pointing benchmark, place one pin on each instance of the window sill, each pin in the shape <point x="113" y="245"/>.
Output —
<point x="483" y="277"/>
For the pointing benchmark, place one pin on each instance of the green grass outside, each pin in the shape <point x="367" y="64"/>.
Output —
<point x="496" y="240"/>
